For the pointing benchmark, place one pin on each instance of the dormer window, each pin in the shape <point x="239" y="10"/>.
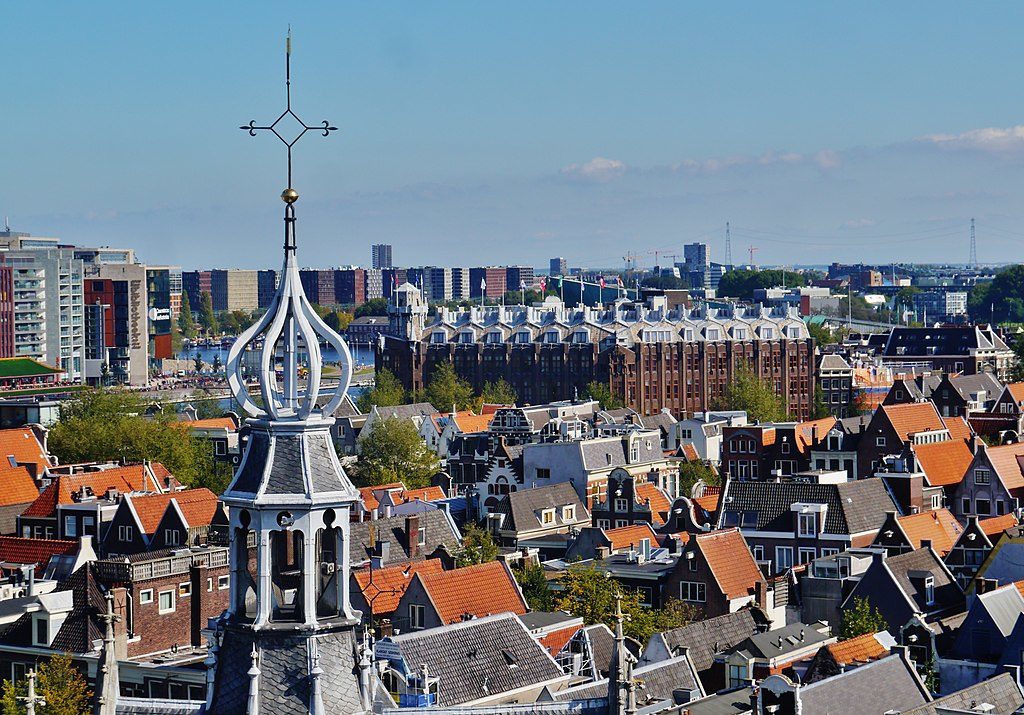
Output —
<point x="125" y="533"/>
<point x="438" y="338"/>
<point x="739" y="333"/>
<point x="768" y="333"/>
<point x="552" y="337"/>
<point x="41" y="632"/>
<point x="547" y="517"/>
<point x="581" y="337"/>
<point x="466" y="338"/>
<point x="494" y="337"/>
<point x="794" y="332"/>
<point x="568" y="513"/>
<point x="807" y="524"/>
<point x="713" y="334"/>
<point x="523" y="337"/>
<point x="688" y="334"/>
<point x="929" y="590"/>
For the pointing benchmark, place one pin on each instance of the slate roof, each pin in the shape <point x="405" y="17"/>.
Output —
<point x="781" y="641"/>
<point x="853" y="507"/>
<point x="290" y="464"/>
<point x="479" y="590"/>
<point x="406" y="412"/>
<point x="81" y="627"/>
<point x="999" y="691"/>
<point x="945" y="341"/>
<point x="474" y="659"/>
<point x="658" y="681"/>
<point x="831" y="361"/>
<point x="607" y="452"/>
<point x="522" y="508"/>
<point x="713" y="635"/>
<point x="885" y="685"/>
<point x="730" y="561"/>
<point x="985" y="382"/>
<point x="947" y="592"/>
<point x="1004" y="605"/>
<point x="384" y="588"/>
<point x="440" y="532"/>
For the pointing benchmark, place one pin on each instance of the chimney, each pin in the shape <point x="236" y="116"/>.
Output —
<point x="814" y="435"/>
<point x="603" y="552"/>
<point x="412" y="533"/>
<point x="926" y="543"/>
<point x="381" y="552"/>
<point x="761" y="594"/>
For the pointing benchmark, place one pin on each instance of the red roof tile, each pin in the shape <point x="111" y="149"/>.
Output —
<point x="690" y="452"/>
<point x="555" y="640"/>
<point x="996" y="525"/>
<point x="805" y="432"/>
<point x="130" y="478"/>
<point x="938" y="525"/>
<point x="944" y="463"/>
<point x="400" y="495"/>
<point x="860" y="649"/>
<point x="15" y="550"/>
<point x="958" y="428"/>
<point x="21" y="445"/>
<point x="197" y="506"/>
<point x="660" y="503"/>
<point x="17" y="486"/>
<point x="387" y="586"/>
<point x="1016" y="390"/>
<point x="626" y="536"/>
<point x="1006" y="464"/>
<point x="227" y="423"/>
<point x="913" y="417"/>
<point x="730" y="561"/>
<point x="479" y="590"/>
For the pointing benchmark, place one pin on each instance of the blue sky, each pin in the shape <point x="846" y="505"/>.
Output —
<point x="497" y="133"/>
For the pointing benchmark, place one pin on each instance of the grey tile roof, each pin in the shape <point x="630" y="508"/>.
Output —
<point x="882" y="686"/>
<point x="286" y="464"/>
<point x="940" y="341"/>
<point x="545" y="619"/>
<point x="1007" y="564"/>
<point x="659" y="420"/>
<point x="734" y="702"/>
<point x="705" y="638"/>
<point x="999" y="691"/>
<point x="853" y="507"/>
<point x="605" y="452"/>
<point x="440" y="532"/>
<point x="522" y="508"/>
<point x="152" y="706"/>
<point x="831" y="361"/>
<point x="947" y="592"/>
<point x="985" y="382"/>
<point x="781" y="641"/>
<point x="402" y="412"/>
<point x="1004" y="605"/>
<point x="658" y="679"/>
<point x="479" y="658"/>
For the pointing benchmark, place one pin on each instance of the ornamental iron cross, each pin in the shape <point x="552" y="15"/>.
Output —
<point x="288" y="123"/>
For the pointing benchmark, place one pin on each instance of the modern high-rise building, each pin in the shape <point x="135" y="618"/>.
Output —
<point x="516" y="276"/>
<point x="460" y="284"/>
<point x="350" y="286"/>
<point x="558" y="266"/>
<point x="318" y="284"/>
<point x="159" y="312"/>
<point x="6" y="310"/>
<point x="266" y="287"/>
<point x="117" y="323"/>
<point x="234" y="289"/>
<point x="437" y="284"/>
<point x="492" y="279"/>
<point x="380" y="254"/>
<point x="174" y="274"/>
<point x="194" y="284"/>
<point x="374" y="287"/>
<point x="696" y="256"/>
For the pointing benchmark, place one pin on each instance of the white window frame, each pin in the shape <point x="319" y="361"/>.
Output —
<point x="145" y="596"/>
<point x="983" y="476"/>
<point x="547" y="517"/>
<point x="223" y="582"/>
<point x="417" y="616"/>
<point x="568" y="513"/>
<point x="172" y="537"/>
<point x="70" y="525"/>
<point x="806" y="554"/>
<point x="621" y="505"/>
<point x="171" y="594"/>
<point x="783" y="563"/>
<point x="693" y="591"/>
<point x="125" y="532"/>
<point x="802" y="519"/>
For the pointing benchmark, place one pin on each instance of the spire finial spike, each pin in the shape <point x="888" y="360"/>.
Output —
<point x="288" y="41"/>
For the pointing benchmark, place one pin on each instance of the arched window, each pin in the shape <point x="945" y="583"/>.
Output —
<point x="286" y="572"/>
<point x="244" y="565"/>
<point x="329" y="547"/>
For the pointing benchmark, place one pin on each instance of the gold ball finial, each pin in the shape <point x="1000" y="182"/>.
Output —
<point x="289" y="196"/>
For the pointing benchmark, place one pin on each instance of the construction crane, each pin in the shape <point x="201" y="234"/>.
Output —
<point x="752" y="250"/>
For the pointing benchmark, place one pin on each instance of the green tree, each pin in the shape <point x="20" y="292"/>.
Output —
<point x="498" y="393"/>
<point x="591" y="594"/>
<point x="691" y="472"/>
<point x="742" y="283"/>
<point x="374" y="306"/>
<point x="447" y="389"/>
<point x="386" y="392"/>
<point x="207" y="318"/>
<point x="217" y="364"/>
<point x="478" y="547"/>
<point x="819" y="410"/>
<point x="1002" y="300"/>
<point x="186" y="323"/>
<point x="535" y="587"/>
<point x="394" y="452"/>
<point x="197" y="363"/>
<point x="862" y="618"/>
<point x="603" y="394"/>
<point x="749" y="392"/>
<point x="821" y="334"/>
<point x="61" y="684"/>
<point x="338" y="320"/>
<point x="206" y="408"/>
<point x="109" y="425"/>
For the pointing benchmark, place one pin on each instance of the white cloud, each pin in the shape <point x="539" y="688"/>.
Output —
<point x="597" y="170"/>
<point x="827" y="159"/>
<point x="994" y="139"/>
<point x="857" y="223"/>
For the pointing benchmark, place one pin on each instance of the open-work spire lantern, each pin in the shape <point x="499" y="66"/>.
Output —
<point x="290" y="327"/>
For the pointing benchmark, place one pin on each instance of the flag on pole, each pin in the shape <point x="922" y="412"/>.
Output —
<point x="602" y="282"/>
<point x="618" y="280"/>
<point x="522" y="285"/>
<point x="543" y="285"/>
<point x="483" y="284"/>
<point x="560" y="282"/>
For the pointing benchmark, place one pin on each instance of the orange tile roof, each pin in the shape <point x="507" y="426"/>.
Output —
<point x="859" y="649"/>
<point x="958" y="429"/>
<point x="470" y="424"/>
<point x="944" y="463"/>
<point x="996" y="525"/>
<point x="626" y="536"/>
<point x="197" y="505"/>
<point x="1004" y="461"/>
<point x="16" y="550"/>
<point x="1016" y="390"/>
<point x="557" y="639"/>
<point x="387" y="586"/>
<point x="709" y="502"/>
<point x="1020" y="586"/>
<point x="690" y="452"/>
<point x="938" y="525"/>
<point x="227" y="423"/>
<point x="17" y="486"/>
<point x="660" y="504"/>
<point x="805" y="432"/>
<point x="371" y="495"/>
<point x="431" y="493"/>
<point x="912" y="417"/>
<point x="22" y="445"/>
<point x="479" y="590"/>
<point x="730" y="561"/>
<point x="130" y="478"/>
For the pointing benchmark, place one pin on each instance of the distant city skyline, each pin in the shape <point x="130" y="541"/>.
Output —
<point x="481" y="135"/>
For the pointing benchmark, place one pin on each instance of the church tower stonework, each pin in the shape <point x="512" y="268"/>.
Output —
<point x="288" y="643"/>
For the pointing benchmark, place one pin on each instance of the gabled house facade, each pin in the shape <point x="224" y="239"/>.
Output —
<point x="716" y="574"/>
<point x="994" y="482"/>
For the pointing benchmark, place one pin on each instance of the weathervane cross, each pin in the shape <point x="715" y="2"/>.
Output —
<point x="280" y="126"/>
